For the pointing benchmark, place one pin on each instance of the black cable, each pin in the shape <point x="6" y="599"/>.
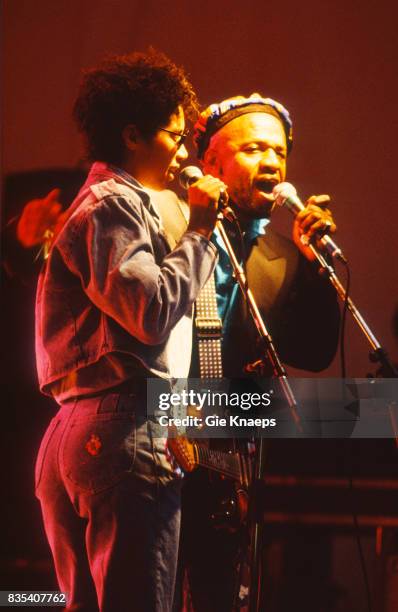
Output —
<point x="242" y="248"/>
<point x="241" y="240"/>
<point x="356" y="525"/>
<point x="348" y="447"/>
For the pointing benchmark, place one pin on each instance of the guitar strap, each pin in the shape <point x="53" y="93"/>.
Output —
<point x="209" y="332"/>
<point x="208" y="324"/>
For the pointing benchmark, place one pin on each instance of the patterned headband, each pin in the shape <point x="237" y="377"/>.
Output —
<point x="215" y="116"/>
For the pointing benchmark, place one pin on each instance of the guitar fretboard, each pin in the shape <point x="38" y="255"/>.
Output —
<point x="230" y="464"/>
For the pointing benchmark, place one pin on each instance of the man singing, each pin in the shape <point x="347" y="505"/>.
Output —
<point x="114" y="306"/>
<point x="245" y="143"/>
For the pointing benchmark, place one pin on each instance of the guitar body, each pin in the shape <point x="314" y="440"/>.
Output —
<point x="230" y="503"/>
<point x="229" y="473"/>
<point x="183" y="450"/>
<point x="229" y="463"/>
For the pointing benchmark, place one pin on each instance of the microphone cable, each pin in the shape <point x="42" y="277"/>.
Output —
<point x="348" y="454"/>
<point x="352" y="502"/>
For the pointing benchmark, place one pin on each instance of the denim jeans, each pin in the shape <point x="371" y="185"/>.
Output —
<point x="111" y="506"/>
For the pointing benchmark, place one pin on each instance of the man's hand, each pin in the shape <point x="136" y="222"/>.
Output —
<point x="38" y="217"/>
<point x="316" y="219"/>
<point x="203" y="197"/>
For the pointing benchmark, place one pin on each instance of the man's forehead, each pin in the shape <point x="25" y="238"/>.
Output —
<point x="258" y="126"/>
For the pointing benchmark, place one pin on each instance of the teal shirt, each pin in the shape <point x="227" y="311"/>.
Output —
<point x="226" y="287"/>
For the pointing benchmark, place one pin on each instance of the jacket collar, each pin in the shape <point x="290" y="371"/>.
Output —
<point x="101" y="171"/>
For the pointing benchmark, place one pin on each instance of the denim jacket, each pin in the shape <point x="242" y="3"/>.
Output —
<point x="112" y="284"/>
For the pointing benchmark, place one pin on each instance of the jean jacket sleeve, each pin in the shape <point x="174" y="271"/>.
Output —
<point x="115" y="249"/>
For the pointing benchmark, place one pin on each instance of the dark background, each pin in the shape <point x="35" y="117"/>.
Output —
<point x="331" y="63"/>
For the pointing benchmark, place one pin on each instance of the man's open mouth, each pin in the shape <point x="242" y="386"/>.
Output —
<point x="266" y="186"/>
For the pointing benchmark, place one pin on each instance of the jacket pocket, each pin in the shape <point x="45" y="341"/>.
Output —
<point x="98" y="450"/>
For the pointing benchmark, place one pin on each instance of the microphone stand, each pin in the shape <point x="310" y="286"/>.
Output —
<point x="279" y="371"/>
<point x="378" y="353"/>
<point x="278" y="368"/>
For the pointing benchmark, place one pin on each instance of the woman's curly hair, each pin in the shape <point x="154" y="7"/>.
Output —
<point x="143" y="89"/>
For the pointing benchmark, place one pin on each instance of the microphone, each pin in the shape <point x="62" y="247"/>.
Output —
<point x="286" y="195"/>
<point x="191" y="174"/>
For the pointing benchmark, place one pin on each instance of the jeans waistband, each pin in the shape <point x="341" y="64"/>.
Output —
<point x="132" y="386"/>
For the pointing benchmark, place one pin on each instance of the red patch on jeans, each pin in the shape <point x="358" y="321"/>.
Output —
<point x="93" y="445"/>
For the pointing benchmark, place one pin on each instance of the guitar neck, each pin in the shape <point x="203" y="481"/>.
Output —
<point x="232" y="465"/>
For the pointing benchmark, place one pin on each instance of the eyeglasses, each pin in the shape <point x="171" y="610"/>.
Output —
<point x="181" y="137"/>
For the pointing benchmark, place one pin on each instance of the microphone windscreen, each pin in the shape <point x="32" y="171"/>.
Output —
<point x="189" y="175"/>
<point x="282" y="192"/>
